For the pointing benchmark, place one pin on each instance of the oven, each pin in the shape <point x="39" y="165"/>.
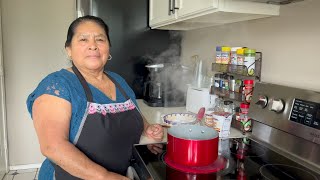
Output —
<point x="284" y="143"/>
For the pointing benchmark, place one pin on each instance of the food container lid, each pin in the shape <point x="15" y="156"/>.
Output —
<point x="248" y="81"/>
<point x="226" y="48"/>
<point x="218" y="48"/>
<point x="244" y="106"/>
<point x="249" y="51"/>
<point x="240" y="51"/>
<point x="235" y="48"/>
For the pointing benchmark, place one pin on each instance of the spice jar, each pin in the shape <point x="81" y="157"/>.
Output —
<point x="234" y="56"/>
<point x="240" y="56"/>
<point x="221" y="84"/>
<point x="226" y="82"/>
<point x="238" y="86"/>
<point x="225" y="55"/>
<point x="232" y="83"/>
<point x="244" y="119"/>
<point x="218" y="54"/>
<point x="244" y="109"/>
<point x="249" y="60"/>
<point x="248" y="88"/>
<point x="216" y="80"/>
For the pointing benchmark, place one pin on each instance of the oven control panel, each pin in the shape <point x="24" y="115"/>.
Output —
<point x="306" y="113"/>
<point x="292" y="110"/>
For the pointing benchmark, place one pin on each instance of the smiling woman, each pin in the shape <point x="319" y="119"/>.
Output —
<point x="88" y="129"/>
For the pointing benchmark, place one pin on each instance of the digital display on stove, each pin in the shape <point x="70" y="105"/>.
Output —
<point x="306" y="113"/>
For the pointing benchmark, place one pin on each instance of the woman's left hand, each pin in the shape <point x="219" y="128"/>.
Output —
<point x="155" y="148"/>
<point x="155" y="131"/>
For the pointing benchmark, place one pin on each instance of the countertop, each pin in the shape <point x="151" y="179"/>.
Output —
<point x="153" y="116"/>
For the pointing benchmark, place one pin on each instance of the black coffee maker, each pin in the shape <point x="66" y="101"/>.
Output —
<point x="166" y="85"/>
<point x="153" y="86"/>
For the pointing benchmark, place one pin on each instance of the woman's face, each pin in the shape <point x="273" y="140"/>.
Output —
<point x="89" y="47"/>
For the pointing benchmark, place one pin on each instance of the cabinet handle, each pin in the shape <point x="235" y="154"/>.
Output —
<point x="171" y="11"/>
<point x="174" y="6"/>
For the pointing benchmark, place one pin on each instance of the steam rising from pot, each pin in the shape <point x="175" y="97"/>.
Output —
<point x="174" y="76"/>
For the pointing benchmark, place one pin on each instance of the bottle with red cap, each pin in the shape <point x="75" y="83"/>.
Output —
<point x="248" y="88"/>
<point x="244" y="119"/>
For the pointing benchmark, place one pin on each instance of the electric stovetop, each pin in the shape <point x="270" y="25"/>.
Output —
<point x="245" y="159"/>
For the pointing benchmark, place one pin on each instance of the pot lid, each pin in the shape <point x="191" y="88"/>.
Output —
<point x="193" y="132"/>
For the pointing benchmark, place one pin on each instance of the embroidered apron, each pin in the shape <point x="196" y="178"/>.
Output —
<point x="107" y="132"/>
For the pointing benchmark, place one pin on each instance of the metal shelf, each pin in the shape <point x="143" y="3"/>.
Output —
<point x="241" y="70"/>
<point x="228" y="95"/>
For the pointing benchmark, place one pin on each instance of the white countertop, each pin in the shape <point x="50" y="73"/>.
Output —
<point x="153" y="116"/>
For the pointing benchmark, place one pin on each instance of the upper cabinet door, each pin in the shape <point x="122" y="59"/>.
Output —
<point x="190" y="7"/>
<point x="159" y="12"/>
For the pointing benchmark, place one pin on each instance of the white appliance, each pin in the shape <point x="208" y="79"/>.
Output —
<point x="199" y="97"/>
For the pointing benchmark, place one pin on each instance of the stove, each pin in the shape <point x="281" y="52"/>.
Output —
<point x="245" y="159"/>
<point x="284" y="143"/>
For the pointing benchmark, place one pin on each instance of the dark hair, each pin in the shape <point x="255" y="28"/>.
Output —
<point x="79" y="20"/>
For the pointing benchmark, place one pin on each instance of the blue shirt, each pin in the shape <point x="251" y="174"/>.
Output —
<point x="65" y="84"/>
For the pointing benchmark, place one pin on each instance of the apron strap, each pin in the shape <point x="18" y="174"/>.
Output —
<point x="86" y="86"/>
<point x="118" y="86"/>
<point x="83" y="83"/>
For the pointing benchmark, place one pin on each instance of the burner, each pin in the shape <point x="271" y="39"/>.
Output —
<point x="282" y="171"/>
<point x="242" y="150"/>
<point x="249" y="152"/>
<point x="218" y="165"/>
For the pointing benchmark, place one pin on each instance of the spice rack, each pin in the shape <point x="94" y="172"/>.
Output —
<point x="241" y="70"/>
<point x="228" y="95"/>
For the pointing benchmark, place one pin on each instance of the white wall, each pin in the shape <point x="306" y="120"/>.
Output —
<point x="289" y="42"/>
<point x="34" y="33"/>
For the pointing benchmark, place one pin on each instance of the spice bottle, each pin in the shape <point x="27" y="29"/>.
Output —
<point x="234" y="59"/>
<point x="216" y="80"/>
<point x="226" y="82"/>
<point x="238" y="86"/>
<point x="232" y="83"/>
<point x="221" y="84"/>
<point x="249" y="60"/>
<point x="225" y="55"/>
<point x="244" y="119"/>
<point x="240" y="56"/>
<point x="248" y="88"/>
<point x="218" y="54"/>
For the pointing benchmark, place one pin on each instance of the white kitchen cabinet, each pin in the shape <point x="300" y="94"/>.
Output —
<point x="189" y="7"/>
<point x="160" y="12"/>
<point x="190" y="14"/>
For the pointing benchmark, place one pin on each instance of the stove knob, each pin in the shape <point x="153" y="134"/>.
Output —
<point x="276" y="105"/>
<point x="263" y="101"/>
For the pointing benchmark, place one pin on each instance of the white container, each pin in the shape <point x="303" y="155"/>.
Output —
<point x="222" y="123"/>
<point x="199" y="97"/>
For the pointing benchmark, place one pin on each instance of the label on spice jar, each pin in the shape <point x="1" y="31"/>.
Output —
<point x="248" y="94"/>
<point x="225" y="58"/>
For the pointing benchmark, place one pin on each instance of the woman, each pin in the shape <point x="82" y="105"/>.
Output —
<point x="86" y="119"/>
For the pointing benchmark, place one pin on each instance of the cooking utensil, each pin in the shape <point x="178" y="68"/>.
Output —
<point x="192" y="145"/>
<point x="200" y="115"/>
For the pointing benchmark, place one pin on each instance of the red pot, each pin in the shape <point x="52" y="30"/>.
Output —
<point x="192" y="145"/>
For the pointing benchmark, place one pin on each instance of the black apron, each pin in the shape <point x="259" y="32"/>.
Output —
<point x="107" y="132"/>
